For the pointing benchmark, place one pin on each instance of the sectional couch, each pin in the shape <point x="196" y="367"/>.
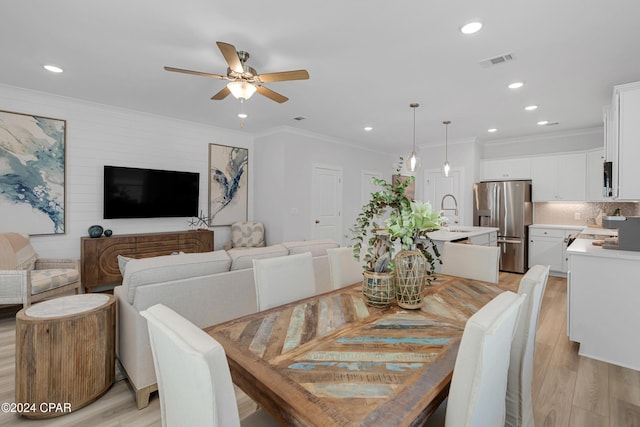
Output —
<point x="206" y="288"/>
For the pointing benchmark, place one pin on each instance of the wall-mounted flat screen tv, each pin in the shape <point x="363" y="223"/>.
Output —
<point x="149" y="193"/>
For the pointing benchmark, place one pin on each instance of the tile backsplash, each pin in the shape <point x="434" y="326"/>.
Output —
<point x="588" y="213"/>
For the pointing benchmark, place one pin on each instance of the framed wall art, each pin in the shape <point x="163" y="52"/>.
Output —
<point x="228" y="184"/>
<point x="410" y="190"/>
<point x="32" y="174"/>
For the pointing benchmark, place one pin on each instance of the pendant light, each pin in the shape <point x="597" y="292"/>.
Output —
<point x="412" y="163"/>
<point x="446" y="167"/>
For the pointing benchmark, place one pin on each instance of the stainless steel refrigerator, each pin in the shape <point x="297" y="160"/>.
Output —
<point x="507" y="206"/>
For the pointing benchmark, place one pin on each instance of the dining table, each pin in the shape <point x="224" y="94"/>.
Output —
<point x="333" y="360"/>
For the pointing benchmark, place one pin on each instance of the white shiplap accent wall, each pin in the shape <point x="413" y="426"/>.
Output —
<point x="99" y="135"/>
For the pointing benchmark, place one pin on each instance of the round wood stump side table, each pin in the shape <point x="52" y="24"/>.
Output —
<point x="65" y="354"/>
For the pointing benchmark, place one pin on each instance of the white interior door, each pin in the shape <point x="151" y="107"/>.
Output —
<point x="436" y="186"/>
<point x="326" y="205"/>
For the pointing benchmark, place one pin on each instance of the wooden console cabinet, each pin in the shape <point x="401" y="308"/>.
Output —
<point x="99" y="256"/>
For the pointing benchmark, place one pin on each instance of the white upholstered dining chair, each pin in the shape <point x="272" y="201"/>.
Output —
<point x="194" y="382"/>
<point x="343" y="267"/>
<point x="471" y="261"/>
<point x="284" y="279"/>
<point x="518" y="401"/>
<point x="479" y="383"/>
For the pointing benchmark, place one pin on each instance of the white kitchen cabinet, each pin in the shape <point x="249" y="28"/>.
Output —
<point x="595" y="176"/>
<point x="609" y="132"/>
<point x="548" y="246"/>
<point x="506" y="169"/>
<point x="559" y="178"/>
<point x="602" y="303"/>
<point x="627" y="120"/>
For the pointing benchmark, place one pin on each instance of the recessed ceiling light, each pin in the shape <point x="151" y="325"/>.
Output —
<point x="543" y="122"/>
<point x="368" y="128"/>
<point x="53" y="68"/>
<point x="243" y="115"/>
<point x="531" y="107"/>
<point x="515" y="85"/>
<point x="492" y="130"/>
<point x="471" y="27"/>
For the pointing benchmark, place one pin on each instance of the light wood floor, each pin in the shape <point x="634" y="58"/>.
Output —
<point x="568" y="390"/>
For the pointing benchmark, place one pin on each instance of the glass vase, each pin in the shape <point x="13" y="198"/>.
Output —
<point x="411" y="273"/>
<point x="378" y="288"/>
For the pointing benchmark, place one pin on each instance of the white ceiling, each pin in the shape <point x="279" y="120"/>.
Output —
<point x="368" y="60"/>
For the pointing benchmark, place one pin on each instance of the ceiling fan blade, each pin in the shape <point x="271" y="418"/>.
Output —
<point x="231" y="56"/>
<point x="284" y="75"/>
<point x="275" y="96"/>
<point x="222" y="94"/>
<point x="195" y="73"/>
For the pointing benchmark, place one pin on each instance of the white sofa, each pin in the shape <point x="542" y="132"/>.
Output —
<point x="206" y="288"/>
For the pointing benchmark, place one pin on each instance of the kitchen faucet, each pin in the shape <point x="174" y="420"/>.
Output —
<point x="455" y="204"/>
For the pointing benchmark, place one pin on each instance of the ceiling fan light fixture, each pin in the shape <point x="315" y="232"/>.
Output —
<point x="241" y="89"/>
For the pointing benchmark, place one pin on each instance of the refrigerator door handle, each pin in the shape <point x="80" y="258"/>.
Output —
<point x="514" y="241"/>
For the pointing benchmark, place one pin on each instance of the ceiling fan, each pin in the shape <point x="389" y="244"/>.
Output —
<point x="244" y="81"/>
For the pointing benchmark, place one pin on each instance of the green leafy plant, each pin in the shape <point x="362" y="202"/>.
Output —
<point x="408" y="222"/>
<point x="411" y="225"/>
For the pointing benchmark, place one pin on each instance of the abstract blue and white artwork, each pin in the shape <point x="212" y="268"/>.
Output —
<point x="228" y="184"/>
<point x="32" y="174"/>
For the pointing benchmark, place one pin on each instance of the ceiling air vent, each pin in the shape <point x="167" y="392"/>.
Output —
<point x="497" y="60"/>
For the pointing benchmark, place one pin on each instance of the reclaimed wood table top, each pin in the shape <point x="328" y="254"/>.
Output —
<point x="331" y="360"/>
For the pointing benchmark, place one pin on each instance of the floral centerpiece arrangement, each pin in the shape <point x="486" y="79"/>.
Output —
<point x="415" y="263"/>
<point x="410" y="226"/>
<point x="375" y="238"/>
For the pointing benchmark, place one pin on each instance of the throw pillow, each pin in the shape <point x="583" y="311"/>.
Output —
<point x="17" y="252"/>
<point x="246" y="234"/>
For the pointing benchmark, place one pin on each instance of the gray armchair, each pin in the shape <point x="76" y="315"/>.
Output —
<point x="26" y="279"/>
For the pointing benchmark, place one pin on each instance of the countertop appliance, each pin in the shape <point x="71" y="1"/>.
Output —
<point x="628" y="232"/>
<point x="507" y="206"/>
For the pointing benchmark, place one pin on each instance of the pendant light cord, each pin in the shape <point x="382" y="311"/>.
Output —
<point x="446" y="140"/>
<point x="414" y="106"/>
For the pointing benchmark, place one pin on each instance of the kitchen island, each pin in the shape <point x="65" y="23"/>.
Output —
<point x="603" y="291"/>
<point x="485" y="236"/>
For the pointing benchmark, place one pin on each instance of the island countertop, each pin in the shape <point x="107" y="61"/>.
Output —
<point x="459" y="232"/>
<point x="586" y="247"/>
